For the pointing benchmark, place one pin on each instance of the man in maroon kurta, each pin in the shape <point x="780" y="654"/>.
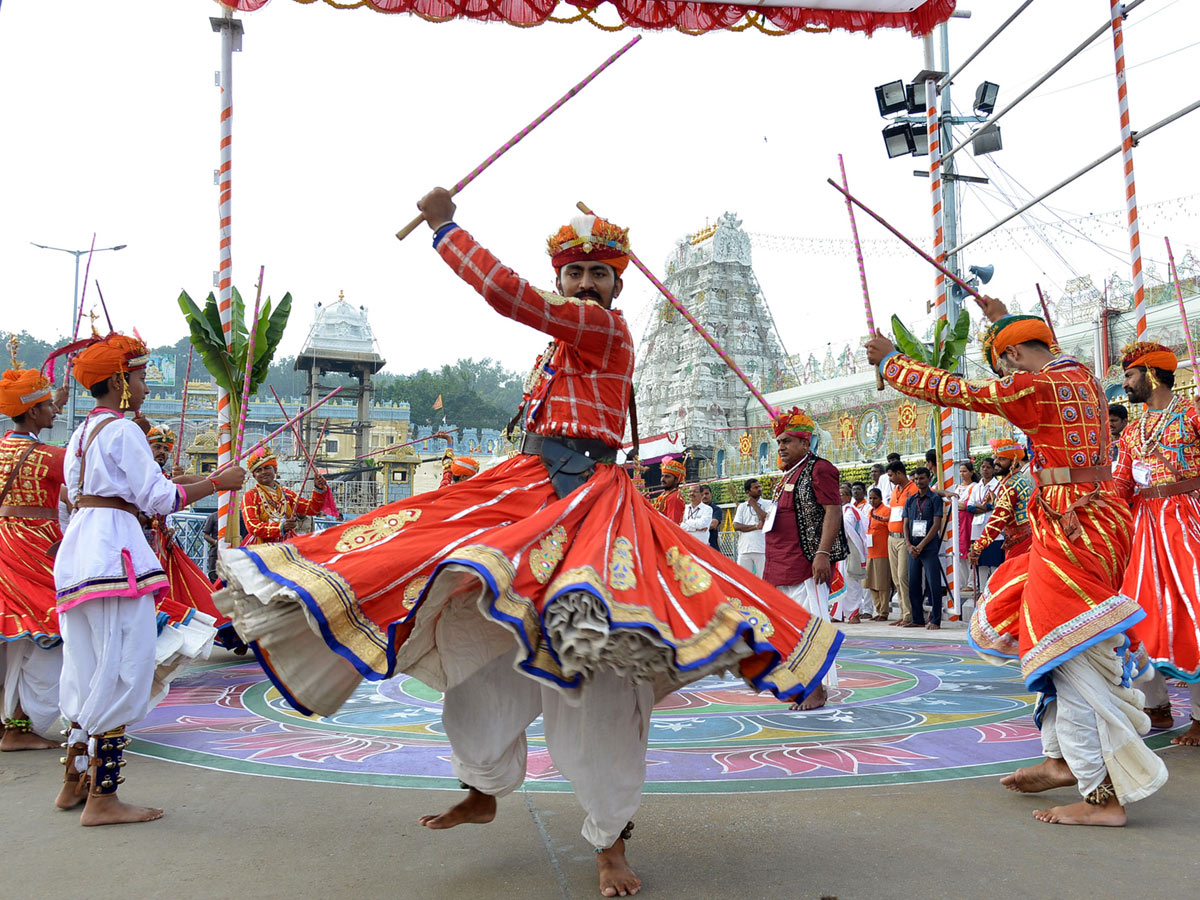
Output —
<point x="804" y="529"/>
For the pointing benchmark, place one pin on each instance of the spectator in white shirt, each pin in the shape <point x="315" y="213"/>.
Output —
<point x="883" y="482"/>
<point x="697" y="516"/>
<point x="981" y="504"/>
<point x="748" y="523"/>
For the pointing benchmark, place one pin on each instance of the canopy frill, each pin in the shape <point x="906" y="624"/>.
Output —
<point x="694" y="17"/>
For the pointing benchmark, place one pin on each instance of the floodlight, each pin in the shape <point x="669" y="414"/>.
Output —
<point x="891" y="98"/>
<point x="899" y="140"/>
<point x="985" y="97"/>
<point x="921" y="142"/>
<point x="986" y="140"/>
<point x="914" y="98"/>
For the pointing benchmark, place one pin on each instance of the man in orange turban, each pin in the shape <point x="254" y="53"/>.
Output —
<point x="1067" y="618"/>
<point x="1010" y="513"/>
<point x="670" y="501"/>
<point x="462" y="468"/>
<point x="31" y="475"/>
<point x="555" y="588"/>
<point x="108" y="579"/>
<point x="805" y="537"/>
<point x="1158" y="470"/>
<point x="270" y="510"/>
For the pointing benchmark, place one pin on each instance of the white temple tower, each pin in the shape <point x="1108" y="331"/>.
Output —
<point x="682" y="386"/>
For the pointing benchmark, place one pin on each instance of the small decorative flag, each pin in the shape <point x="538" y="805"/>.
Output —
<point x="437" y="404"/>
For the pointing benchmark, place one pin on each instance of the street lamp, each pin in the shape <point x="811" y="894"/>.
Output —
<point x="74" y="315"/>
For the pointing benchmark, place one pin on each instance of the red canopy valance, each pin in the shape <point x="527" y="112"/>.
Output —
<point x="695" y="17"/>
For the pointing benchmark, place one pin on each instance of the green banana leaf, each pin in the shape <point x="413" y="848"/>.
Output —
<point x="956" y="344"/>
<point x="909" y="345"/>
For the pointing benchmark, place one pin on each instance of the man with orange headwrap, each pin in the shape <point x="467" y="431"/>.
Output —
<point x="270" y="510"/>
<point x="545" y="585"/>
<point x="804" y="531"/>
<point x="1066" y="616"/>
<point x="1158" y="469"/>
<point x="116" y="663"/>
<point x="670" y="501"/>
<point x="462" y="468"/>
<point x="31" y="474"/>
<point x="1010" y="514"/>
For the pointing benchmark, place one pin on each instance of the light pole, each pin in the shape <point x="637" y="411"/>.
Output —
<point x="74" y="317"/>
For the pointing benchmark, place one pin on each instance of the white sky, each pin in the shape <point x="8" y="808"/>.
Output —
<point x="342" y="119"/>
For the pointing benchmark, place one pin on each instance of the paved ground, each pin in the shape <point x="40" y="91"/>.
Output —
<point x="230" y="835"/>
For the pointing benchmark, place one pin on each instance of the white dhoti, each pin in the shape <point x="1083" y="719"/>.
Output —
<point x="31" y="676"/>
<point x="1095" y="725"/>
<point x="598" y="745"/>
<point x="108" y="665"/>
<point x="1154" y="686"/>
<point x="814" y="598"/>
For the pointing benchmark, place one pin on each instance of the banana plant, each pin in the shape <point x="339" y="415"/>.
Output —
<point x="226" y="366"/>
<point x="949" y="342"/>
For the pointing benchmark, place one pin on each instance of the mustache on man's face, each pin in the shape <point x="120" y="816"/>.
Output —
<point x="587" y="294"/>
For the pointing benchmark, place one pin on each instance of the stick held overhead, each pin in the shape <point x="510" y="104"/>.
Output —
<point x="700" y="329"/>
<point x="520" y="135"/>
<point x="979" y="298"/>
<point x="862" y="269"/>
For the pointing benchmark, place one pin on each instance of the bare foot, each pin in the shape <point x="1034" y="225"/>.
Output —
<point x="815" y="700"/>
<point x="106" y="809"/>
<point x="478" y="809"/>
<point x="1110" y="813"/>
<point x="616" y="877"/>
<point x="854" y="619"/>
<point x="1161" y="718"/>
<point x="1190" y="738"/>
<point x="933" y="626"/>
<point x="24" y="740"/>
<point x="1048" y="774"/>
<point x="71" y="795"/>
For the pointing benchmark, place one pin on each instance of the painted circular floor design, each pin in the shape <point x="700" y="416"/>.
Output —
<point x="904" y="712"/>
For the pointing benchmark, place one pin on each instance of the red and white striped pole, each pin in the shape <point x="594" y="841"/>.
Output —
<point x="1117" y="12"/>
<point x="942" y="300"/>
<point x="230" y="30"/>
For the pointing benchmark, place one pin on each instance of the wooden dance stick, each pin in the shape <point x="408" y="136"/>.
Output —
<point x="104" y="306"/>
<point x="862" y="269"/>
<point x="1046" y="312"/>
<point x="243" y="410"/>
<point x="281" y="429"/>
<point x="187" y="374"/>
<point x="442" y="435"/>
<point x="700" y="329"/>
<point x="295" y="432"/>
<point x="520" y="135"/>
<point x="979" y="298"/>
<point x="312" y="465"/>
<point x="1187" y="329"/>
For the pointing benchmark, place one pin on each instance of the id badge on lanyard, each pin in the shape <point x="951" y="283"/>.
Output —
<point x="919" y="528"/>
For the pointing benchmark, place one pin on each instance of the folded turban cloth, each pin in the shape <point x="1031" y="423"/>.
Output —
<point x="676" y="467"/>
<point x="102" y="358"/>
<point x="795" y="422"/>
<point x="464" y="467"/>
<point x="1008" y="448"/>
<point x="161" y="434"/>
<point x="1013" y="330"/>
<point x="21" y="390"/>
<point x="1150" y="354"/>
<point x="589" y="239"/>
<point x="262" y="457"/>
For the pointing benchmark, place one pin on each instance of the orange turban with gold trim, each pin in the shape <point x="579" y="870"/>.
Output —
<point x="589" y="239"/>
<point x="161" y="434"/>
<point x="21" y="390"/>
<point x="1150" y="354"/>
<point x="1013" y="330"/>
<point x="104" y="357"/>
<point x="794" y="421"/>
<point x="673" y="466"/>
<point x="464" y="466"/>
<point x="1007" y="447"/>
<point x="263" y="456"/>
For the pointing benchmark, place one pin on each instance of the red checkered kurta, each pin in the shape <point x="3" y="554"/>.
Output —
<point x="1063" y="596"/>
<point x="590" y="375"/>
